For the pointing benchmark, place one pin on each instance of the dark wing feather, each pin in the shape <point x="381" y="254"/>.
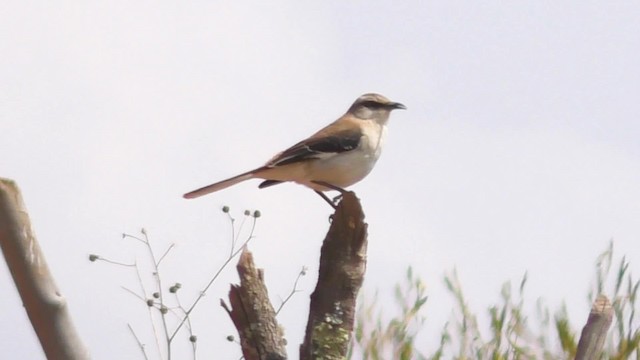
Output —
<point x="316" y="148"/>
<point x="268" y="183"/>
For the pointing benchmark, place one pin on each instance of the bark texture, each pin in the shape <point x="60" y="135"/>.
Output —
<point x="595" y="330"/>
<point x="46" y="307"/>
<point x="342" y="267"/>
<point x="333" y="302"/>
<point x="261" y="338"/>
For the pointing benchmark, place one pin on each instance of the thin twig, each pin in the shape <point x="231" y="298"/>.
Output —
<point x="113" y="262"/>
<point x="183" y="315"/>
<point x="244" y="219"/>
<point x="156" y="275"/>
<point x="133" y="293"/>
<point x="125" y="235"/>
<point x="165" y="254"/>
<point x="233" y="233"/>
<point x="153" y="323"/>
<point x="189" y="327"/>
<point x="302" y="273"/>
<point x="215" y="276"/>
<point x="140" y="344"/>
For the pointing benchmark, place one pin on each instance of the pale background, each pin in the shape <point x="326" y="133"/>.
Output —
<point x="519" y="151"/>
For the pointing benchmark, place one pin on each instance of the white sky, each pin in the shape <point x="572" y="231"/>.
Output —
<point x="519" y="151"/>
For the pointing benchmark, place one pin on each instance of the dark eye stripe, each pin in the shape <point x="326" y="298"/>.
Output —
<point x="373" y="104"/>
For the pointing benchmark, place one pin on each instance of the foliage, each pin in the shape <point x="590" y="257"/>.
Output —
<point x="511" y="333"/>
<point x="394" y="339"/>
<point x="624" y="340"/>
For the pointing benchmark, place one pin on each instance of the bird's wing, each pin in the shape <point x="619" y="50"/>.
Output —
<point x="319" y="146"/>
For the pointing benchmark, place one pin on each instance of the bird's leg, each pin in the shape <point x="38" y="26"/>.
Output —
<point x="322" y="195"/>
<point x="332" y="187"/>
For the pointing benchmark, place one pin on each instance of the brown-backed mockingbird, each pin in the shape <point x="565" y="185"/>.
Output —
<point x="335" y="157"/>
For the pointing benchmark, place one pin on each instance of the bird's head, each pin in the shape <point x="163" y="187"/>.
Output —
<point x="374" y="107"/>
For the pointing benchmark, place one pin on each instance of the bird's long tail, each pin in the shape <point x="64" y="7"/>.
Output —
<point x="221" y="185"/>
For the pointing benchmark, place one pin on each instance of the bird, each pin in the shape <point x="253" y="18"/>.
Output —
<point x="335" y="157"/>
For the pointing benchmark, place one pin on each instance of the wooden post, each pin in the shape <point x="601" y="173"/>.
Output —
<point x="46" y="307"/>
<point x="261" y="338"/>
<point x="342" y="267"/>
<point x="595" y="330"/>
<point x="333" y="303"/>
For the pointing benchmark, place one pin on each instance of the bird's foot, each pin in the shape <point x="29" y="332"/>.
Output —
<point x="333" y="202"/>
<point x="329" y="201"/>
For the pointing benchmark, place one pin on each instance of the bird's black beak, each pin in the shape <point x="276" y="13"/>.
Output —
<point x="395" y="105"/>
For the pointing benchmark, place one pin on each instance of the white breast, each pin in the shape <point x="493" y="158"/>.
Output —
<point x="374" y="136"/>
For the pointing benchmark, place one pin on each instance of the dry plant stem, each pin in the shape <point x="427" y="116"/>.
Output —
<point x="261" y="337"/>
<point x="156" y="275"/>
<point x="46" y="307"/>
<point x="235" y="235"/>
<point x="115" y="262"/>
<point x="140" y="345"/>
<point x="146" y="296"/>
<point x="293" y="290"/>
<point x="166" y="252"/>
<point x="232" y="255"/>
<point x="595" y="330"/>
<point x="188" y="322"/>
<point x="341" y="273"/>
